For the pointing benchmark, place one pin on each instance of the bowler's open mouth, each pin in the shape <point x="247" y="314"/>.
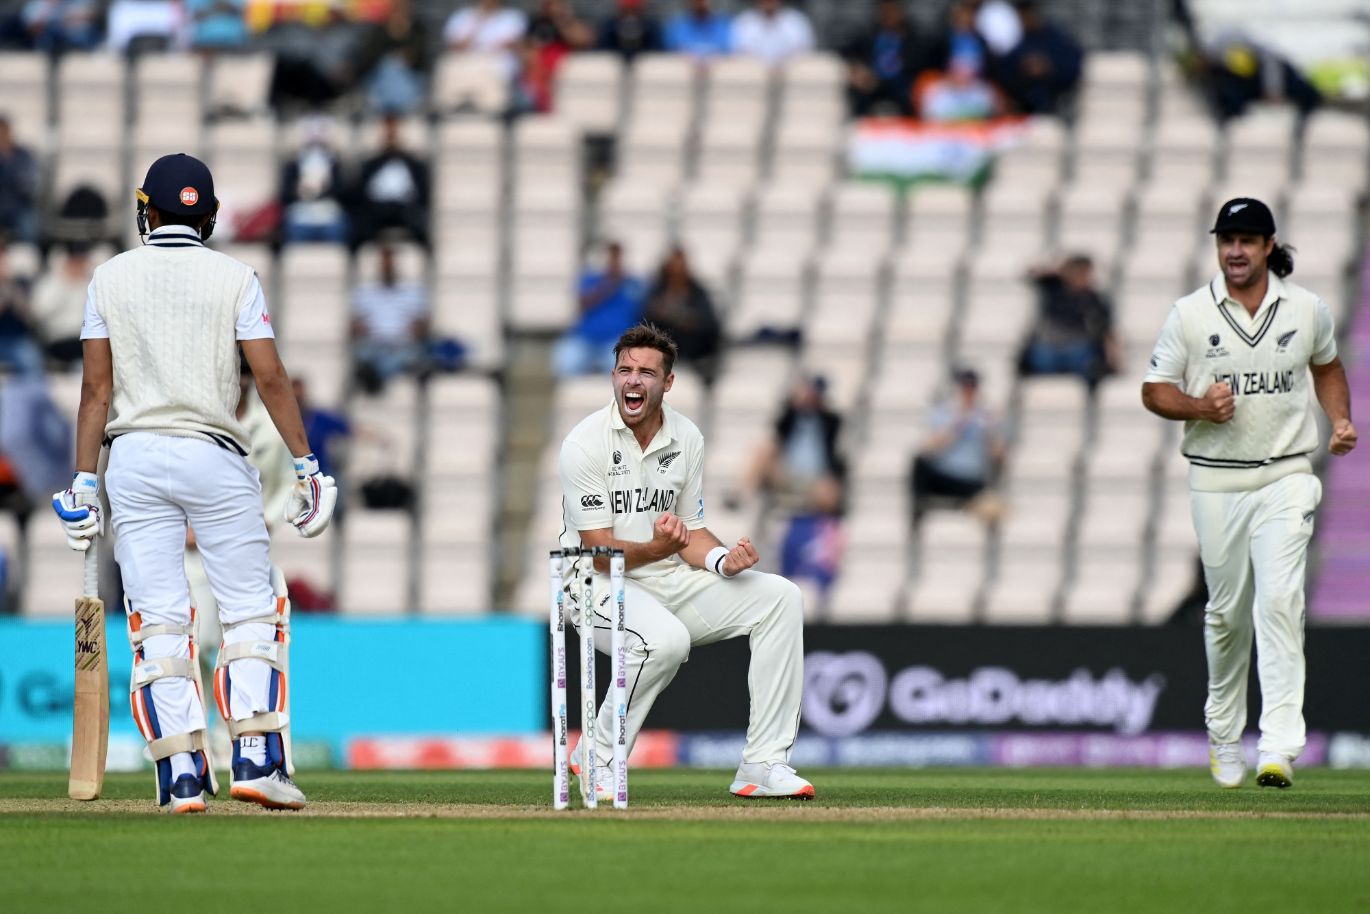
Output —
<point x="633" y="401"/>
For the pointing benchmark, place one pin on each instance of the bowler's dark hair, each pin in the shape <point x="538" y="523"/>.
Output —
<point x="1281" y="260"/>
<point x="649" y="336"/>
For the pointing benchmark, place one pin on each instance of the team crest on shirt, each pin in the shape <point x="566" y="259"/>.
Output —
<point x="1282" y="344"/>
<point x="665" y="460"/>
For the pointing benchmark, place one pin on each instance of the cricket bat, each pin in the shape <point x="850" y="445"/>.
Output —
<point x="90" y="720"/>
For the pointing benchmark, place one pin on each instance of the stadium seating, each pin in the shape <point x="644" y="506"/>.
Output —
<point x="885" y="290"/>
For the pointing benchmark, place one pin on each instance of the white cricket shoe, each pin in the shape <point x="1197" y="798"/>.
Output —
<point x="269" y="787"/>
<point x="604" y="783"/>
<point x="187" y="796"/>
<point x="1227" y="763"/>
<point x="1274" y="770"/>
<point x="770" y="779"/>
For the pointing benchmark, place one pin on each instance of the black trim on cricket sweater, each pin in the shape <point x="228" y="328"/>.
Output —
<point x="1247" y="338"/>
<point x="1229" y="464"/>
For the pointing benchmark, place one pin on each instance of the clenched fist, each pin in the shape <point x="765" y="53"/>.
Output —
<point x="669" y="536"/>
<point x="1343" y="437"/>
<point x="740" y="558"/>
<point x="1219" y="404"/>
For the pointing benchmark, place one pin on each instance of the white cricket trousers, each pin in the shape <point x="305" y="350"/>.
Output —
<point x="668" y="613"/>
<point x="156" y="484"/>
<point x="1254" y="547"/>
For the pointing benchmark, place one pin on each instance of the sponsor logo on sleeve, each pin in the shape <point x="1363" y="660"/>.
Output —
<point x="592" y="501"/>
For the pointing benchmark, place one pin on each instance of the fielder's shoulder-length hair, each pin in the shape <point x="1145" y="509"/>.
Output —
<point x="1281" y="260"/>
<point x="649" y="336"/>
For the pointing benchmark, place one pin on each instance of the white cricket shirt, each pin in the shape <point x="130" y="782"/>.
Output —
<point x="607" y="480"/>
<point x="1264" y="358"/>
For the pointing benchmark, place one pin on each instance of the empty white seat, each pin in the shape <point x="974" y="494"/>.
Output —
<point x="1104" y="588"/>
<point x="469" y="81"/>
<point x="713" y="213"/>
<point x="376" y="563"/>
<point x="737" y="89"/>
<point x="240" y="84"/>
<point x="771" y="293"/>
<point x="729" y="151"/>
<point x="589" y="91"/>
<point x="1025" y="588"/>
<point x="866" y="591"/>
<point x="1172" y="579"/>
<point x="788" y="216"/>
<point x="663" y="89"/>
<point x="862" y="216"/>
<point x="946" y="590"/>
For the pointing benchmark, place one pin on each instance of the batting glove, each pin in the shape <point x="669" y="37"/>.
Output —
<point x="311" y="502"/>
<point x="78" y="508"/>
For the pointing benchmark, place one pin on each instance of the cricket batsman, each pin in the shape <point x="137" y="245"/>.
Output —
<point x="1234" y="361"/>
<point x="162" y="330"/>
<point x="632" y="479"/>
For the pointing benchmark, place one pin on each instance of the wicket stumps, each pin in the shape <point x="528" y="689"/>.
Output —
<point x="582" y="573"/>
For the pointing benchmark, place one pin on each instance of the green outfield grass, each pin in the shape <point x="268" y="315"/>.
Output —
<point x="933" y="840"/>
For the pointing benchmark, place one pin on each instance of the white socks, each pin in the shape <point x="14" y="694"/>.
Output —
<point x="253" y="748"/>
<point x="182" y="763"/>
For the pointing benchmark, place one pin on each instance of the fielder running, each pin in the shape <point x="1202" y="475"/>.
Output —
<point x="632" y="479"/>
<point x="1234" y="361"/>
<point x="162" y="328"/>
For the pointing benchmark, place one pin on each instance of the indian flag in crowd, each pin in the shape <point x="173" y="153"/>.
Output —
<point x="905" y="150"/>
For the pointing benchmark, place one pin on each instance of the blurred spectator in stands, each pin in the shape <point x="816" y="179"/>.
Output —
<point x="813" y="543"/>
<point x="55" y="26"/>
<point x="772" y="32"/>
<point x="82" y="218"/>
<point x="1044" y="67"/>
<point x="35" y="441"/>
<point x="1237" y="73"/>
<point x="395" y="84"/>
<point x="393" y="191"/>
<point x="630" y="31"/>
<point x="1073" y="333"/>
<point x="312" y="189"/>
<point x="59" y="302"/>
<point x="998" y="24"/>
<point x="956" y="88"/>
<point x="882" y="64"/>
<point x="800" y="463"/>
<point x="553" y="32"/>
<point x="389" y="326"/>
<point x="217" y="25"/>
<point x="19" y="354"/>
<point x="488" y="27"/>
<point x="679" y="304"/>
<point x="18" y="188"/>
<point x="325" y="428"/>
<point x="610" y="303"/>
<point x="958" y="461"/>
<point x="699" y="31"/>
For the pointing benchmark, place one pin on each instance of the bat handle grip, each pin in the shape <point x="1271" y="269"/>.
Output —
<point x="92" y="569"/>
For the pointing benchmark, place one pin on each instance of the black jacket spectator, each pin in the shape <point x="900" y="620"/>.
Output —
<point x="1044" y="67"/>
<point x="680" y="305"/>
<point x="630" y="31"/>
<point x="393" y="192"/>
<point x="883" y="63"/>
<point x="18" y="189"/>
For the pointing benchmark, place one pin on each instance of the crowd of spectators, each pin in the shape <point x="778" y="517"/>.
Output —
<point x="388" y="197"/>
<point x="612" y="300"/>
<point x="989" y="57"/>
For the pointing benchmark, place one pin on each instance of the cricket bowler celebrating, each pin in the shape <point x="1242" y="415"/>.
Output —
<point x="163" y="324"/>
<point x="632" y="479"/>
<point x="1234" y="361"/>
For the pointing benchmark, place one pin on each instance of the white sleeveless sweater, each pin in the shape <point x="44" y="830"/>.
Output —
<point x="172" y="317"/>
